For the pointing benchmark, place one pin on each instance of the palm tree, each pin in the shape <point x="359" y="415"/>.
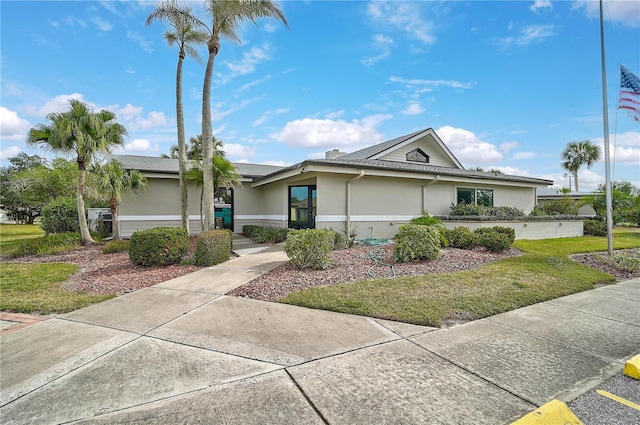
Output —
<point x="186" y="34"/>
<point x="194" y="149"/>
<point x="577" y="154"/>
<point x="223" y="173"/>
<point x="225" y="17"/>
<point x="113" y="182"/>
<point x="85" y="133"/>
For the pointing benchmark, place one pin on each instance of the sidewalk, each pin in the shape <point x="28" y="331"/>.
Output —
<point x="183" y="352"/>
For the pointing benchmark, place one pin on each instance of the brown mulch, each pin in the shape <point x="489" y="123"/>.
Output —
<point x="594" y="260"/>
<point x="114" y="273"/>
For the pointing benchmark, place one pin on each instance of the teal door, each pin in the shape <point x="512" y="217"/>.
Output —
<point x="302" y="207"/>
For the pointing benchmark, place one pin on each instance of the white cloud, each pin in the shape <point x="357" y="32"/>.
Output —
<point x="309" y="132"/>
<point x="511" y="171"/>
<point x="133" y="119"/>
<point x="623" y="148"/>
<point x="626" y="12"/>
<point x="381" y="44"/>
<point x="141" y="41"/>
<point x="138" y="146"/>
<point x="375" y="120"/>
<point x="102" y="25"/>
<point x="255" y="56"/>
<point x="253" y="83"/>
<point x="527" y="35"/>
<point x="12" y="127"/>
<point x="403" y="16"/>
<point x="429" y="85"/>
<point x="9" y="152"/>
<point x="468" y="147"/>
<point x="541" y="5"/>
<point x="75" y="22"/>
<point x="235" y="150"/>
<point x="217" y="114"/>
<point x="57" y="104"/>
<point x="268" y="115"/>
<point x="333" y="115"/>
<point x="524" y="155"/>
<point x="413" y="109"/>
<point x="507" y="146"/>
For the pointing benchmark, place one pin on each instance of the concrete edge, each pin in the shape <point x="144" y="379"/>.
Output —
<point x="553" y="412"/>
<point x="632" y="367"/>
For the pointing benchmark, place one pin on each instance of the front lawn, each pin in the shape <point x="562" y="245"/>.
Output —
<point x="35" y="288"/>
<point x="544" y="272"/>
<point x="14" y="235"/>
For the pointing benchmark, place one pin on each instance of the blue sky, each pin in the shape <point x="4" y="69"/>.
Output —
<point x="505" y="84"/>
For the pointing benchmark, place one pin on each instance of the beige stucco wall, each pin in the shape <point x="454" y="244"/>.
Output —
<point x="529" y="229"/>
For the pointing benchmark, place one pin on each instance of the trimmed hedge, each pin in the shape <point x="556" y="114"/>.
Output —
<point x="213" y="247"/>
<point x="310" y="248"/>
<point x="595" y="228"/>
<point x="159" y="246"/>
<point x="416" y="242"/>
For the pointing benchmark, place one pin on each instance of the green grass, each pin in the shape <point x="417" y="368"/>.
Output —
<point x="14" y="235"/>
<point x="544" y="272"/>
<point x="35" y="288"/>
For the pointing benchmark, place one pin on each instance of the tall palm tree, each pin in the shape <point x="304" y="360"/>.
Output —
<point x="114" y="182"/>
<point x="186" y="34"/>
<point x="225" y="16"/>
<point x="223" y="173"/>
<point x="85" y="133"/>
<point x="577" y="154"/>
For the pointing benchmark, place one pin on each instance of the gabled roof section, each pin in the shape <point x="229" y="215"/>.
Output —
<point x="382" y="149"/>
<point x="156" y="164"/>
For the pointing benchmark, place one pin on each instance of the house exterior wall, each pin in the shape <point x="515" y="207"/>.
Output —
<point x="528" y="229"/>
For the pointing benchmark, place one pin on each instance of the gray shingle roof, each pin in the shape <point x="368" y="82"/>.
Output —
<point x="170" y="165"/>
<point x="417" y="168"/>
<point x="367" y="153"/>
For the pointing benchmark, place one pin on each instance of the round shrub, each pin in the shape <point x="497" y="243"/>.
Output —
<point x="416" y="242"/>
<point x="60" y="216"/>
<point x="461" y="237"/>
<point x="213" y="247"/>
<point x="595" y="228"/>
<point x="158" y="246"/>
<point x="310" y="248"/>
<point x="495" y="238"/>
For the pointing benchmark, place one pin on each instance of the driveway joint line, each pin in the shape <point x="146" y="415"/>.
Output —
<point x="307" y="398"/>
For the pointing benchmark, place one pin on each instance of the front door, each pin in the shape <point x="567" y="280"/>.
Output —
<point x="302" y="207"/>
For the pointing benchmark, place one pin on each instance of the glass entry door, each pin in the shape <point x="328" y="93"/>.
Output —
<point x="302" y="207"/>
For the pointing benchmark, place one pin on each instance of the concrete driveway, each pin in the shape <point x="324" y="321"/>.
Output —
<point x="183" y="352"/>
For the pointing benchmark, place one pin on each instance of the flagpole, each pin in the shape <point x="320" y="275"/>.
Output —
<point x="605" y="115"/>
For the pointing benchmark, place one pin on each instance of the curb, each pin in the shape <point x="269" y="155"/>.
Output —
<point x="553" y="412"/>
<point x="632" y="367"/>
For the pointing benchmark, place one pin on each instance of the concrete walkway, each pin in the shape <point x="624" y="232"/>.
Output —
<point x="183" y="352"/>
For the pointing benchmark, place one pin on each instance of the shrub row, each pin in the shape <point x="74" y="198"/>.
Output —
<point x="265" y="234"/>
<point x="496" y="238"/>
<point x="595" y="228"/>
<point x="49" y="244"/>
<point x="501" y="213"/>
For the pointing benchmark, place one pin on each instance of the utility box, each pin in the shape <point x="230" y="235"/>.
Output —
<point x="94" y="215"/>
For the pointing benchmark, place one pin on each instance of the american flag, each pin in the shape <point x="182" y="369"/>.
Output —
<point x="629" y="93"/>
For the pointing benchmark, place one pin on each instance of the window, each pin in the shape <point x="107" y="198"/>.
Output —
<point x="417" y="155"/>
<point x="475" y="196"/>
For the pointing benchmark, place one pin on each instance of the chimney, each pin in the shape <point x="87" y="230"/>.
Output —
<point x="333" y="154"/>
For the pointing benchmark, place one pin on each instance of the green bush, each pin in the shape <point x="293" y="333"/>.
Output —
<point x="505" y="213"/>
<point x="461" y="237"/>
<point x="269" y="234"/>
<point x="213" y="247"/>
<point x="416" y="242"/>
<point x="49" y="244"/>
<point x="496" y="239"/>
<point x="595" y="228"/>
<point x="562" y="206"/>
<point x="339" y="240"/>
<point x="427" y="220"/>
<point x="310" y="248"/>
<point x="60" y="216"/>
<point x="249" y="230"/>
<point x="501" y="213"/>
<point x="115" y="246"/>
<point x="158" y="246"/>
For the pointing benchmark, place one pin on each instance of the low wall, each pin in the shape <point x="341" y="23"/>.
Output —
<point x="528" y="229"/>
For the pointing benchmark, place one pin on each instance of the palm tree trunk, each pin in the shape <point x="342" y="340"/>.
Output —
<point x="207" y="137"/>
<point x="113" y="206"/>
<point x="201" y="215"/>
<point x="575" y="173"/>
<point x="182" y="149"/>
<point x="82" y="218"/>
